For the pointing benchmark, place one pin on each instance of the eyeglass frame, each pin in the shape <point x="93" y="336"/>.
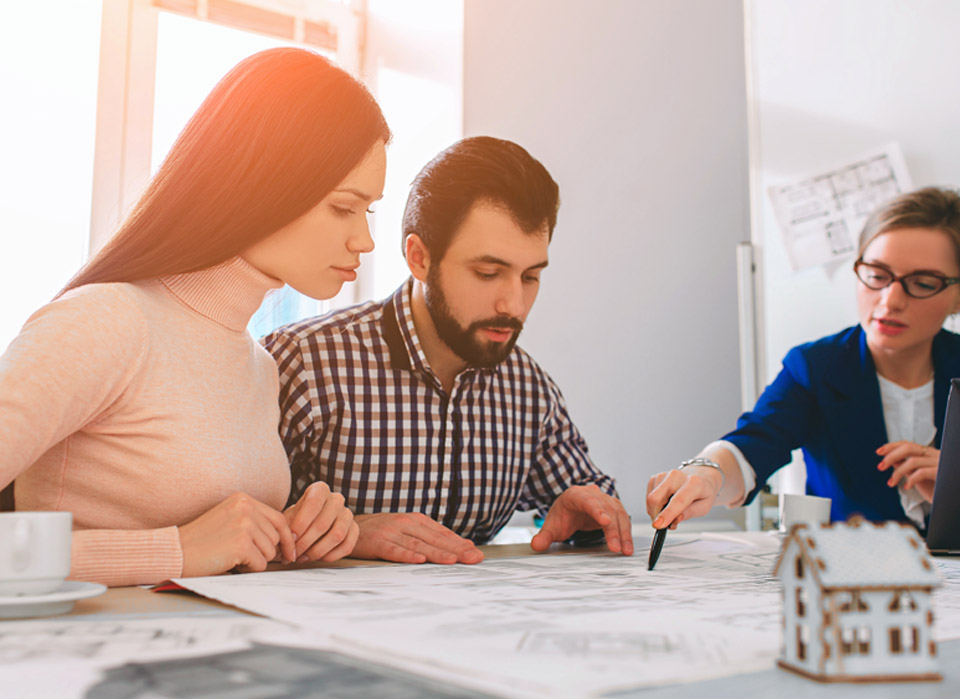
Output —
<point x="945" y="281"/>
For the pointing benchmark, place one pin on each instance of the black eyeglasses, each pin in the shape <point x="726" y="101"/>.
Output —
<point x="919" y="285"/>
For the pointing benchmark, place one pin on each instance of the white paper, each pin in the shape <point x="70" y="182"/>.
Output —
<point x="554" y="625"/>
<point x="101" y="643"/>
<point x="543" y="625"/>
<point x="822" y="213"/>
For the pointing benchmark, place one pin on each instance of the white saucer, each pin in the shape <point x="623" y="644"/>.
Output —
<point x="60" y="601"/>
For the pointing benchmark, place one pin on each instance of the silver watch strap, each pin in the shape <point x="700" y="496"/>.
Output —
<point x="700" y="461"/>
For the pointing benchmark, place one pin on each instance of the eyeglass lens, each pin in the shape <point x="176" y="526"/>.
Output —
<point x="916" y="284"/>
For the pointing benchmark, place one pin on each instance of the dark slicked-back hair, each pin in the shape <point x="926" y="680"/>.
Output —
<point x="272" y="139"/>
<point x="478" y="169"/>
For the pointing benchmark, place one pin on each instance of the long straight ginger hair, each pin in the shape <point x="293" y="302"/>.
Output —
<point x="274" y="137"/>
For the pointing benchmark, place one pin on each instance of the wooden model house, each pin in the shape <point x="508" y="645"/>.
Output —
<point x="857" y="602"/>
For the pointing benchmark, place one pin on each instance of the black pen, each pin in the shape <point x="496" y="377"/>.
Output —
<point x="657" y="544"/>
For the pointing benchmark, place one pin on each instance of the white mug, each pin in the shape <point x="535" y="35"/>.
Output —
<point x="809" y="509"/>
<point x="34" y="551"/>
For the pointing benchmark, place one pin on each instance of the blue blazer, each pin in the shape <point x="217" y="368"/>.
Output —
<point x="826" y="401"/>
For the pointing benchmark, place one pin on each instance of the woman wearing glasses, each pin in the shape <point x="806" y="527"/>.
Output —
<point x="866" y="405"/>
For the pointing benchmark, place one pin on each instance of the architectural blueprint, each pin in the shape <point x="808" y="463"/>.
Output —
<point x="821" y="214"/>
<point x="267" y="671"/>
<point x="542" y="625"/>
<point x="64" y="657"/>
<point x="106" y="642"/>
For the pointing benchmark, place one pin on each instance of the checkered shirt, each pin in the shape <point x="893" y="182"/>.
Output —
<point x="362" y="410"/>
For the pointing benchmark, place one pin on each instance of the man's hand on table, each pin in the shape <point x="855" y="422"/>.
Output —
<point x="584" y="508"/>
<point x="411" y="537"/>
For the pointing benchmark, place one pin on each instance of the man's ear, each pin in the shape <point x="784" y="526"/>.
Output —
<point x="418" y="257"/>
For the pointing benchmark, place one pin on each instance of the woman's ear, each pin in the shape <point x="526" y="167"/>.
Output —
<point x="418" y="257"/>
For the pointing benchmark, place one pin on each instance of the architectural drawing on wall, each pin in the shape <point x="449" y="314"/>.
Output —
<point x="821" y="214"/>
<point x="857" y="603"/>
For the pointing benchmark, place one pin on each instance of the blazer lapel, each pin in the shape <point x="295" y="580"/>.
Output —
<point x="854" y="413"/>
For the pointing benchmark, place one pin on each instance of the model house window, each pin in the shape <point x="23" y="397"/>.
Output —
<point x="855" y="640"/>
<point x="847" y="639"/>
<point x="801" y="601"/>
<point x="799" y="564"/>
<point x="895" y="640"/>
<point x="803" y="639"/>
<point x="851" y="601"/>
<point x="902" y="601"/>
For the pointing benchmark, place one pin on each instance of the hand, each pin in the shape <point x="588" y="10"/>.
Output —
<point x="322" y="526"/>
<point x="691" y="492"/>
<point x="411" y="537"/>
<point x="913" y="462"/>
<point x="584" y="508"/>
<point x="240" y="531"/>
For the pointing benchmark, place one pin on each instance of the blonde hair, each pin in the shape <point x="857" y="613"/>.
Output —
<point x="930" y="207"/>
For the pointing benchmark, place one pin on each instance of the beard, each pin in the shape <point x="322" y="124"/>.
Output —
<point x="466" y="343"/>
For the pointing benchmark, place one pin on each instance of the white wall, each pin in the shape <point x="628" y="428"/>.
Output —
<point x="831" y="80"/>
<point x="638" y="110"/>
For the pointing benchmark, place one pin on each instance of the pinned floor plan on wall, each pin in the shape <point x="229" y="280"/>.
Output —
<point x="821" y="214"/>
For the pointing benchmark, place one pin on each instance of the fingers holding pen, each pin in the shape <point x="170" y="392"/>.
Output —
<point x="679" y="495"/>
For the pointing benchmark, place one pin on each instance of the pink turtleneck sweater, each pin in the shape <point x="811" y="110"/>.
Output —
<point x="138" y="407"/>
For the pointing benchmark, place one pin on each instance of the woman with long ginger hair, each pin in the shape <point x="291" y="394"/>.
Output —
<point x="137" y="400"/>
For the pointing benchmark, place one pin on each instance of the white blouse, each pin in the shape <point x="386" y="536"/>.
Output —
<point x="908" y="416"/>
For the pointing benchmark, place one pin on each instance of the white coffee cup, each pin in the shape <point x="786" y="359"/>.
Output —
<point x="808" y="509"/>
<point x="34" y="551"/>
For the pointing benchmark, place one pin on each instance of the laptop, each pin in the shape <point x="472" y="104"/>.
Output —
<point x="943" y="532"/>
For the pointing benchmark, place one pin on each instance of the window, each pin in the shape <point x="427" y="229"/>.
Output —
<point x="191" y="57"/>
<point x="803" y="640"/>
<point x="895" y="641"/>
<point x="801" y="601"/>
<point x="855" y="640"/>
<point x="187" y="46"/>
<point x="49" y="63"/>
<point x="849" y="601"/>
<point x="799" y="564"/>
<point x="902" y="601"/>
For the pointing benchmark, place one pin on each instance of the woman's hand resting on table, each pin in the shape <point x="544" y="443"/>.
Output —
<point x="239" y="532"/>
<point x="322" y="525"/>
<point x="242" y="532"/>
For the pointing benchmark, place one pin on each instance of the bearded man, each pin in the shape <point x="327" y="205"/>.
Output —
<point x="420" y="409"/>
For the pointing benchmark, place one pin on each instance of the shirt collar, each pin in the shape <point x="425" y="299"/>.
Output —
<point x="228" y="293"/>
<point x="406" y="352"/>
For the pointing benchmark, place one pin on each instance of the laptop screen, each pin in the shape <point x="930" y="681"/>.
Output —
<point x="943" y="533"/>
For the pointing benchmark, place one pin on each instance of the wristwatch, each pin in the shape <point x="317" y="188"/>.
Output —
<point x="700" y="461"/>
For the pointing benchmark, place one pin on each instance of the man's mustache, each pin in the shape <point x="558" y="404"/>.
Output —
<point x="498" y="323"/>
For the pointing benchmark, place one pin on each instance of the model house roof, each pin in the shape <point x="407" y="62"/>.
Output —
<point x="863" y="554"/>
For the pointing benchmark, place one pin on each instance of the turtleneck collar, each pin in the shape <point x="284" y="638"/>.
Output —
<point x="229" y="293"/>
